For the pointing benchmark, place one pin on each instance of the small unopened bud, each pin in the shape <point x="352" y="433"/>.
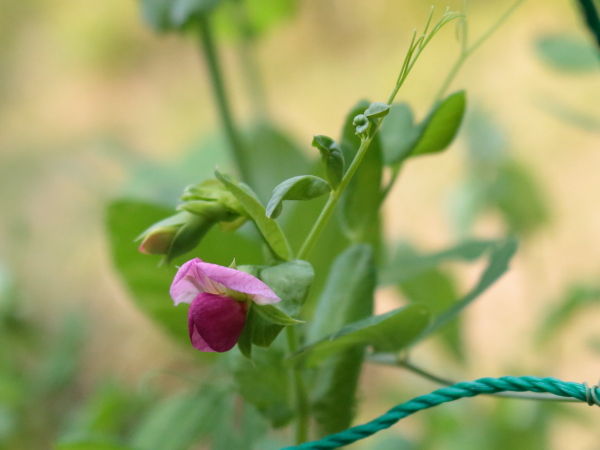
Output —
<point x="361" y="124"/>
<point x="174" y="235"/>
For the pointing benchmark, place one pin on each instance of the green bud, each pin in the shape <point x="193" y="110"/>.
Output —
<point x="174" y="235"/>
<point x="361" y="124"/>
<point x="377" y="110"/>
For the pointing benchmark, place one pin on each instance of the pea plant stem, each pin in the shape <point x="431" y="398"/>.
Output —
<point x="300" y="395"/>
<point x="334" y="197"/>
<point x="209" y="51"/>
<point x="468" y="50"/>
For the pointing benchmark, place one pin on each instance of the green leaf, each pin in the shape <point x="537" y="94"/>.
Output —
<point x="178" y="422"/>
<point x="302" y="187"/>
<point x="348" y="293"/>
<point x="500" y="256"/>
<point x="332" y="158"/>
<point x="274" y="315"/>
<point x="149" y="284"/>
<point x="518" y="197"/>
<point x="348" y="297"/>
<point x="377" y="110"/>
<point x="359" y="205"/>
<point x="270" y="230"/>
<point x="575" y="299"/>
<point x="108" y="411"/>
<point x="399" y="133"/>
<point x="388" y="332"/>
<point x="442" y="125"/>
<point x="436" y="289"/>
<point x="568" y="53"/>
<point x="406" y="264"/>
<point x="265" y="383"/>
<point x="291" y="281"/>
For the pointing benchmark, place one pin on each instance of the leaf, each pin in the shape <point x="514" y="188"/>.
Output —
<point x="274" y="315"/>
<point x="575" y="299"/>
<point x="436" y="289"/>
<point x="567" y="53"/>
<point x="441" y="126"/>
<point x="332" y="158"/>
<point x="377" y="110"/>
<point x="500" y="256"/>
<point x="270" y="230"/>
<point x="108" y="411"/>
<point x="388" y="332"/>
<point x="265" y="383"/>
<point x="303" y="187"/>
<point x="348" y="297"/>
<point x="359" y="205"/>
<point x="149" y="284"/>
<point x="177" y="422"/>
<point x="406" y="264"/>
<point x="291" y="282"/>
<point x="399" y="133"/>
<point x="518" y="197"/>
<point x="348" y="293"/>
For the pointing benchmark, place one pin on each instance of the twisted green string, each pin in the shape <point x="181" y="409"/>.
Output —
<point x="447" y="394"/>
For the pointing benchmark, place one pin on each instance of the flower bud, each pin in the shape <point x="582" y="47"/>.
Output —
<point x="174" y="235"/>
<point x="361" y="124"/>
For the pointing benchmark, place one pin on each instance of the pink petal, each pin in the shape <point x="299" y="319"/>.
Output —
<point x="239" y="281"/>
<point x="190" y="281"/>
<point x="197" y="276"/>
<point x="215" y="322"/>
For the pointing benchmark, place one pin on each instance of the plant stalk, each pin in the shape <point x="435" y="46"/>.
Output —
<point x="234" y="139"/>
<point x="300" y="395"/>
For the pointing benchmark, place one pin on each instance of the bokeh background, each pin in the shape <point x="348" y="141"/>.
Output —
<point x="94" y="105"/>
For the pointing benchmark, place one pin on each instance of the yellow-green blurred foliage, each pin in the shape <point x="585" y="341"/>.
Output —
<point x="88" y="93"/>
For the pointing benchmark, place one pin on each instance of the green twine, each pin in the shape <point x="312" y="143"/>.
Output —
<point x="577" y="391"/>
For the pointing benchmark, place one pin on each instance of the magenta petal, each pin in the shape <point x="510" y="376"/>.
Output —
<point x="215" y="322"/>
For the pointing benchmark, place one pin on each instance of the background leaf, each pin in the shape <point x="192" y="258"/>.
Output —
<point x="500" y="256"/>
<point x="388" y="332"/>
<point x="347" y="297"/>
<point x="568" y="53"/>
<point x="577" y="298"/>
<point x="179" y="421"/>
<point x="265" y="383"/>
<point x="441" y="126"/>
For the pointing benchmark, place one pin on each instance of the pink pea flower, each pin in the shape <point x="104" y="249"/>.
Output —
<point x="218" y="298"/>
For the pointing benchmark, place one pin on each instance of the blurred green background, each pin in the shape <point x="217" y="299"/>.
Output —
<point x="94" y="105"/>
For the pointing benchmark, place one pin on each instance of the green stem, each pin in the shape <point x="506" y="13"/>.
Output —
<point x="246" y="50"/>
<point x="393" y="360"/>
<point x="467" y="51"/>
<point x="334" y="197"/>
<point x="300" y="396"/>
<point x="218" y="87"/>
